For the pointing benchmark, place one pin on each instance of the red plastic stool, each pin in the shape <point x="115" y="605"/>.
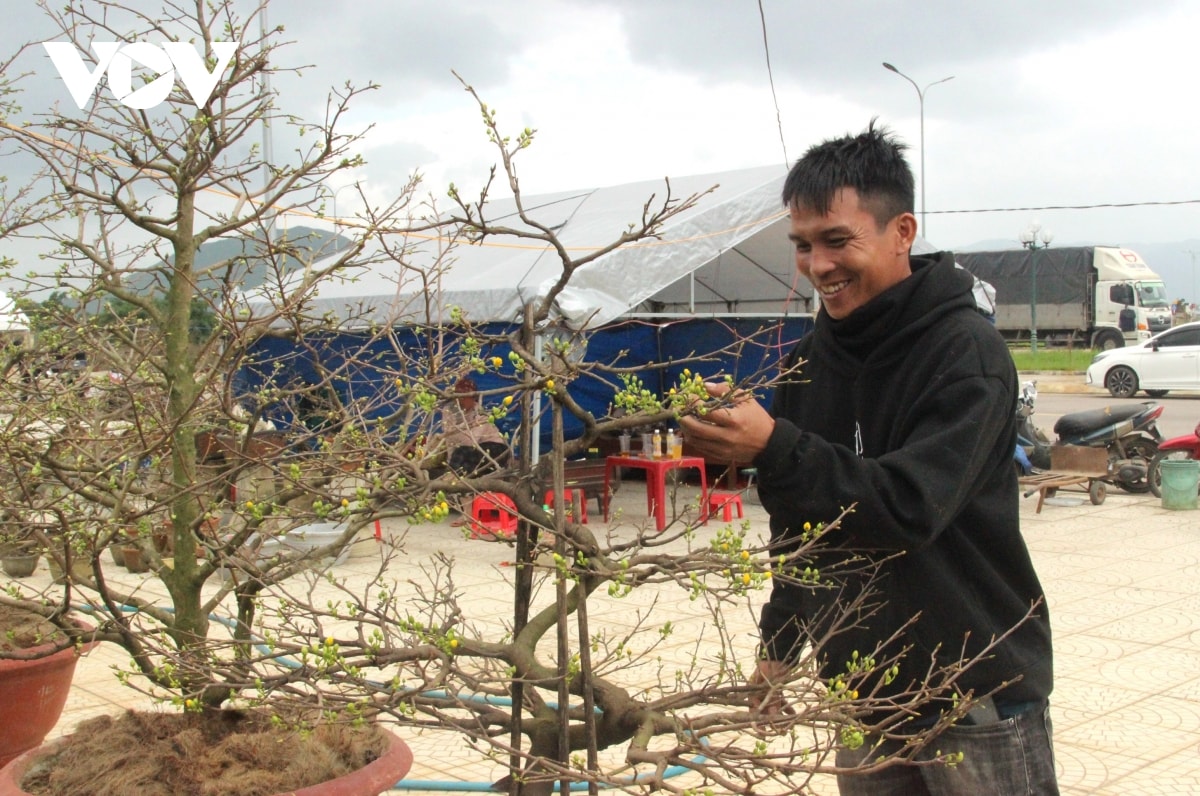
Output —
<point x="569" y="497"/>
<point x="493" y="514"/>
<point x="725" y="503"/>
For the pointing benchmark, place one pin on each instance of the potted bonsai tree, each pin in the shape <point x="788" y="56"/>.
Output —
<point x="175" y="351"/>
<point x="134" y="351"/>
<point x="548" y="688"/>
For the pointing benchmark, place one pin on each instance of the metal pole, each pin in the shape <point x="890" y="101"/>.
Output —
<point x="267" y="152"/>
<point x="1195" y="290"/>
<point x="921" y="103"/>
<point x="1029" y="239"/>
<point x="1033" y="300"/>
<point x="921" y="106"/>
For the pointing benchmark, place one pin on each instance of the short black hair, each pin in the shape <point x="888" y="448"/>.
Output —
<point x="872" y="163"/>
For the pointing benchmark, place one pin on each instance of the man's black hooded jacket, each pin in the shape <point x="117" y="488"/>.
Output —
<point x="905" y="410"/>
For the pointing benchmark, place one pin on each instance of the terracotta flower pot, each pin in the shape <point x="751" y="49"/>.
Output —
<point x="33" y="692"/>
<point x="135" y="560"/>
<point x="370" y="780"/>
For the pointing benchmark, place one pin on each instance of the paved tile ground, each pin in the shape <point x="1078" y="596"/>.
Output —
<point x="1123" y="584"/>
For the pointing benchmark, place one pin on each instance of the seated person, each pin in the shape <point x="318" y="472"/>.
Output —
<point x="469" y="439"/>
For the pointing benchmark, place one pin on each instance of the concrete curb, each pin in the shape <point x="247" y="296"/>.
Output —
<point x="1057" y="381"/>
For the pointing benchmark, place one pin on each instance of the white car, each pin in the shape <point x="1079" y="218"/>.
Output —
<point x="1169" y="360"/>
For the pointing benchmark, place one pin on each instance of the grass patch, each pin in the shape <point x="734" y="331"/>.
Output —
<point x="1073" y="360"/>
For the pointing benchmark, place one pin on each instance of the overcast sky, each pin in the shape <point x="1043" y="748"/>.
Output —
<point x="1053" y="103"/>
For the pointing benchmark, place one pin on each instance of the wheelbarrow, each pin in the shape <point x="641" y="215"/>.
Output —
<point x="1070" y="465"/>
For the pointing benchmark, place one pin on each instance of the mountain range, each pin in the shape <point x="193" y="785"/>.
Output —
<point x="306" y="240"/>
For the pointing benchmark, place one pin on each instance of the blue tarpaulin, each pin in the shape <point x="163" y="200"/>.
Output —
<point x="365" y="368"/>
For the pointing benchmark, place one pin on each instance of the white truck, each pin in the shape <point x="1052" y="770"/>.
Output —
<point x="1101" y="296"/>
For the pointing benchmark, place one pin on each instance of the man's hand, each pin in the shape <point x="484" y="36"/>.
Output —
<point x="736" y="431"/>
<point x="767" y="678"/>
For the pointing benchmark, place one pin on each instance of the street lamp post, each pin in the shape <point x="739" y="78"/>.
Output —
<point x="921" y="104"/>
<point x="1195" y="291"/>
<point x="1030" y="237"/>
<point x="337" y="220"/>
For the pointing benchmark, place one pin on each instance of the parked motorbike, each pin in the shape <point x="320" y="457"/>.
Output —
<point x="1033" y="447"/>
<point x="1185" y="447"/>
<point x="1129" y="433"/>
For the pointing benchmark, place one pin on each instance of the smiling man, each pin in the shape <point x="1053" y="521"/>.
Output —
<point x="900" y="403"/>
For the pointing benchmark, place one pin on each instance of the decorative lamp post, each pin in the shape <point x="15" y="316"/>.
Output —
<point x="921" y="104"/>
<point x="1030" y="238"/>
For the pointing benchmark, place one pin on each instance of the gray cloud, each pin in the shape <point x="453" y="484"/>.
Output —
<point x="836" y="45"/>
<point x="1021" y="124"/>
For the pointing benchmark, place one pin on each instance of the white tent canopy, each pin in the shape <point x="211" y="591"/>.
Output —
<point x="731" y="243"/>
<point x="729" y="255"/>
<point x="12" y="320"/>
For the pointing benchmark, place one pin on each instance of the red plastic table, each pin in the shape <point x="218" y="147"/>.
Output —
<point x="656" y="481"/>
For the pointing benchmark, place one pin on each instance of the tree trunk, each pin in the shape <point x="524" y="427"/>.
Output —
<point x="179" y="369"/>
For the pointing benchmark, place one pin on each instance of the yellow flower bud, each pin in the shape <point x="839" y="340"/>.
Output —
<point x="497" y="362"/>
<point x="508" y="399"/>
